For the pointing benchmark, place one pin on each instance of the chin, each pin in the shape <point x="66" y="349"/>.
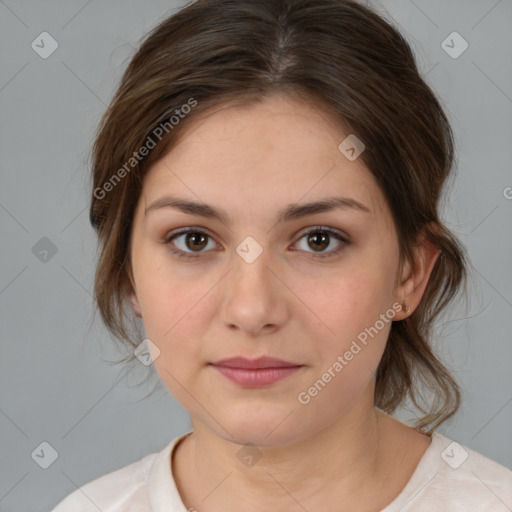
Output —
<point x="264" y="429"/>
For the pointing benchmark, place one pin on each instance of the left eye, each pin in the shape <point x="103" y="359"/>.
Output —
<point x="197" y="239"/>
<point x="321" y="237"/>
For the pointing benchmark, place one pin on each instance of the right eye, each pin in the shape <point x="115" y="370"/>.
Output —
<point x="190" y="238"/>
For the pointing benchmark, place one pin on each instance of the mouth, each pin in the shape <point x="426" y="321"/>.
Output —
<point x="260" y="363"/>
<point x="255" y="373"/>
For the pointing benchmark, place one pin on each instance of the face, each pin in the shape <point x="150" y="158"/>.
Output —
<point x="306" y="289"/>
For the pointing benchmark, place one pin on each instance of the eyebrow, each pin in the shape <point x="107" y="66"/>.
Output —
<point x="290" y="212"/>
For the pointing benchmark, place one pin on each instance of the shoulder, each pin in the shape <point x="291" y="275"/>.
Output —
<point x="123" y="489"/>
<point x="452" y="476"/>
<point x="464" y="464"/>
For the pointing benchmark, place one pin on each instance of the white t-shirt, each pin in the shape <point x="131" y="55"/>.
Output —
<point x="448" y="478"/>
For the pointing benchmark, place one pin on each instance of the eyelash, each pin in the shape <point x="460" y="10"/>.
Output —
<point x="316" y="229"/>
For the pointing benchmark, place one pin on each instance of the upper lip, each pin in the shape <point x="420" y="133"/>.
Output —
<point x="260" y="362"/>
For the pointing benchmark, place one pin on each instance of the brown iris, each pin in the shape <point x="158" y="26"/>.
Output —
<point x="319" y="238"/>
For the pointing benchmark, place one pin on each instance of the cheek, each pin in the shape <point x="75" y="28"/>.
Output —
<point x="348" y="352"/>
<point x="174" y="319"/>
<point x="165" y="293"/>
<point x="174" y="313"/>
<point x="344" y="302"/>
<point x="352" y="318"/>
<point x="177" y="309"/>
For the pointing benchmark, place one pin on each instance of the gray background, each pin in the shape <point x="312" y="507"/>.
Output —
<point x="56" y="384"/>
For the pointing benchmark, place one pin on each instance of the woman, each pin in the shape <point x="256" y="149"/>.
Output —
<point x="266" y="184"/>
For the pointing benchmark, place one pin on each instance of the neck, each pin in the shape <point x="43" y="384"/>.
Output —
<point x="345" y="460"/>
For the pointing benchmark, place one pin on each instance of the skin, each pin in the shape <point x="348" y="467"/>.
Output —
<point x="253" y="161"/>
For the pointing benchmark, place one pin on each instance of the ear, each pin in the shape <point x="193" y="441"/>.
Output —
<point x="134" y="301"/>
<point x="415" y="276"/>
<point x="135" y="304"/>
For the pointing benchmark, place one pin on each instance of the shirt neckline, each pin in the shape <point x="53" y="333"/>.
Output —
<point x="163" y="493"/>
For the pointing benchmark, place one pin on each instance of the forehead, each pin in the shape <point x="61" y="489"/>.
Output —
<point x="278" y="151"/>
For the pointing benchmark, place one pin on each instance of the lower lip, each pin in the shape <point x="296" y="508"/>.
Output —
<point x="256" y="378"/>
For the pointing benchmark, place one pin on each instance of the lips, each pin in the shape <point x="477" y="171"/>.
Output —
<point x="255" y="364"/>
<point x="256" y="373"/>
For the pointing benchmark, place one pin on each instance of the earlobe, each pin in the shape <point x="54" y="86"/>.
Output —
<point x="133" y="296"/>
<point x="135" y="304"/>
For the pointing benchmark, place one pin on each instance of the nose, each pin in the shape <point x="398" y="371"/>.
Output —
<point x="253" y="296"/>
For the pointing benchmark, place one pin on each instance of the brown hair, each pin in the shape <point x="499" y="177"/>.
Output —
<point x="337" y="53"/>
